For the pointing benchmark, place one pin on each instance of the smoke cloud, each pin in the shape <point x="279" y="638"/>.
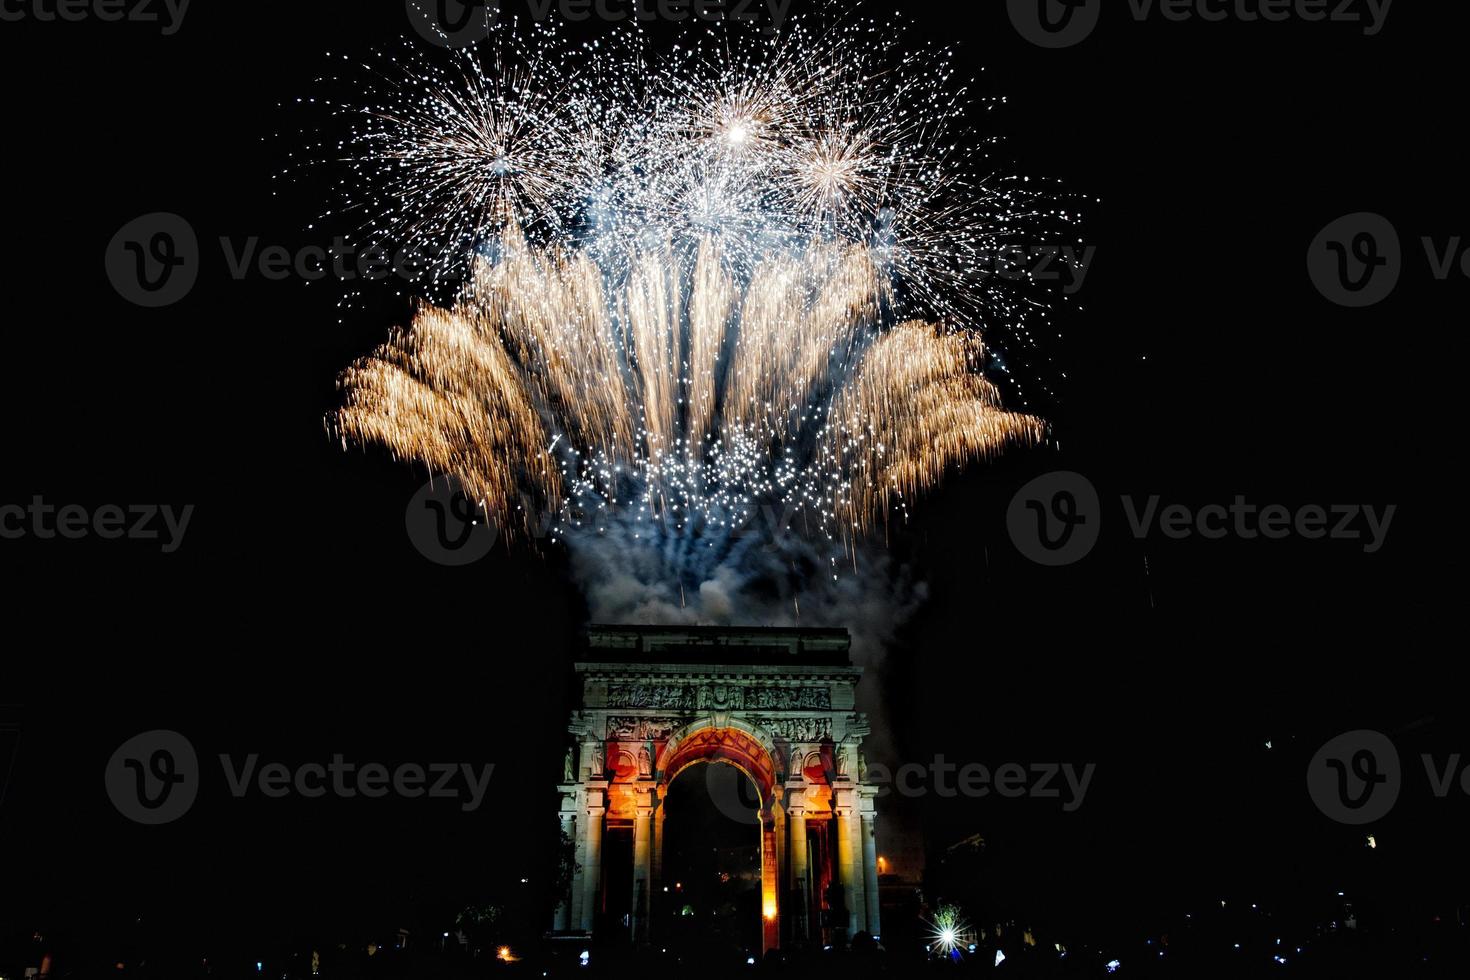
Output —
<point x="634" y="575"/>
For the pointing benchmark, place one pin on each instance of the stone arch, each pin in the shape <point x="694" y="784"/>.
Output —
<point x="730" y="741"/>
<point x="723" y="740"/>
<point x="656" y="701"/>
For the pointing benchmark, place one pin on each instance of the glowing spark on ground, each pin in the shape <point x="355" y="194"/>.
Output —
<point x="949" y="933"/>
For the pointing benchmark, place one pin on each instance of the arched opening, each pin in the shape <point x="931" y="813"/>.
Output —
<point x="710" y="900"/>
<point x="727" y="744"/>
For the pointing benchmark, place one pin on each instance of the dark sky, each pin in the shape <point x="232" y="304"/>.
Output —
<point x="298" y="620"/>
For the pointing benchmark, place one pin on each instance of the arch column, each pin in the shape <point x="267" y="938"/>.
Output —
<point x="659" y="813"/>
<point x="592" y="870"/>
<point x="770" y="884"/>
<point x="564" y="909"/>
<point x="642" y="864"/>
<point x="847" y="869"/>
<point x="796" y="849"/>
<point x="869" y="816"/>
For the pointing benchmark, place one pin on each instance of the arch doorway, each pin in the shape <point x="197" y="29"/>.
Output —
<point x="711" y="893"/>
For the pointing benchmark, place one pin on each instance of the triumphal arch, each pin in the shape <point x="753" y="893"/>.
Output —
<point x="775" y="703"/>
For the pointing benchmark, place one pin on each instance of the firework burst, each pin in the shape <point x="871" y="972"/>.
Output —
<point x="949" y="933"/>
<point x="750" y="274"/>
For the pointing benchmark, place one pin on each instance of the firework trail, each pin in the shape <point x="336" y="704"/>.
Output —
<point x="719" y="314"/>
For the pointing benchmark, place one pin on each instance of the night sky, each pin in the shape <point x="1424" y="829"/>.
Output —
<point x="298" y="620"/>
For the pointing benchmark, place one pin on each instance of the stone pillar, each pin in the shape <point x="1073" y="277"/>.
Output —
<point x="592" y="871"/>
<point x="870" y="865"/>
<point x="783" y="862"/>
<point x="658" y="842"/>
<point x="642" y="866"/>
<point x="847" y="870"/>
<point x="770" y="883"/>
<point x="796" y="821"/>
<point x="563" y="920"/>
<point x="859" y="918"/>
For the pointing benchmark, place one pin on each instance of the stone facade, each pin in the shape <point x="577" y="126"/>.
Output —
<point x="776" y="703"/>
